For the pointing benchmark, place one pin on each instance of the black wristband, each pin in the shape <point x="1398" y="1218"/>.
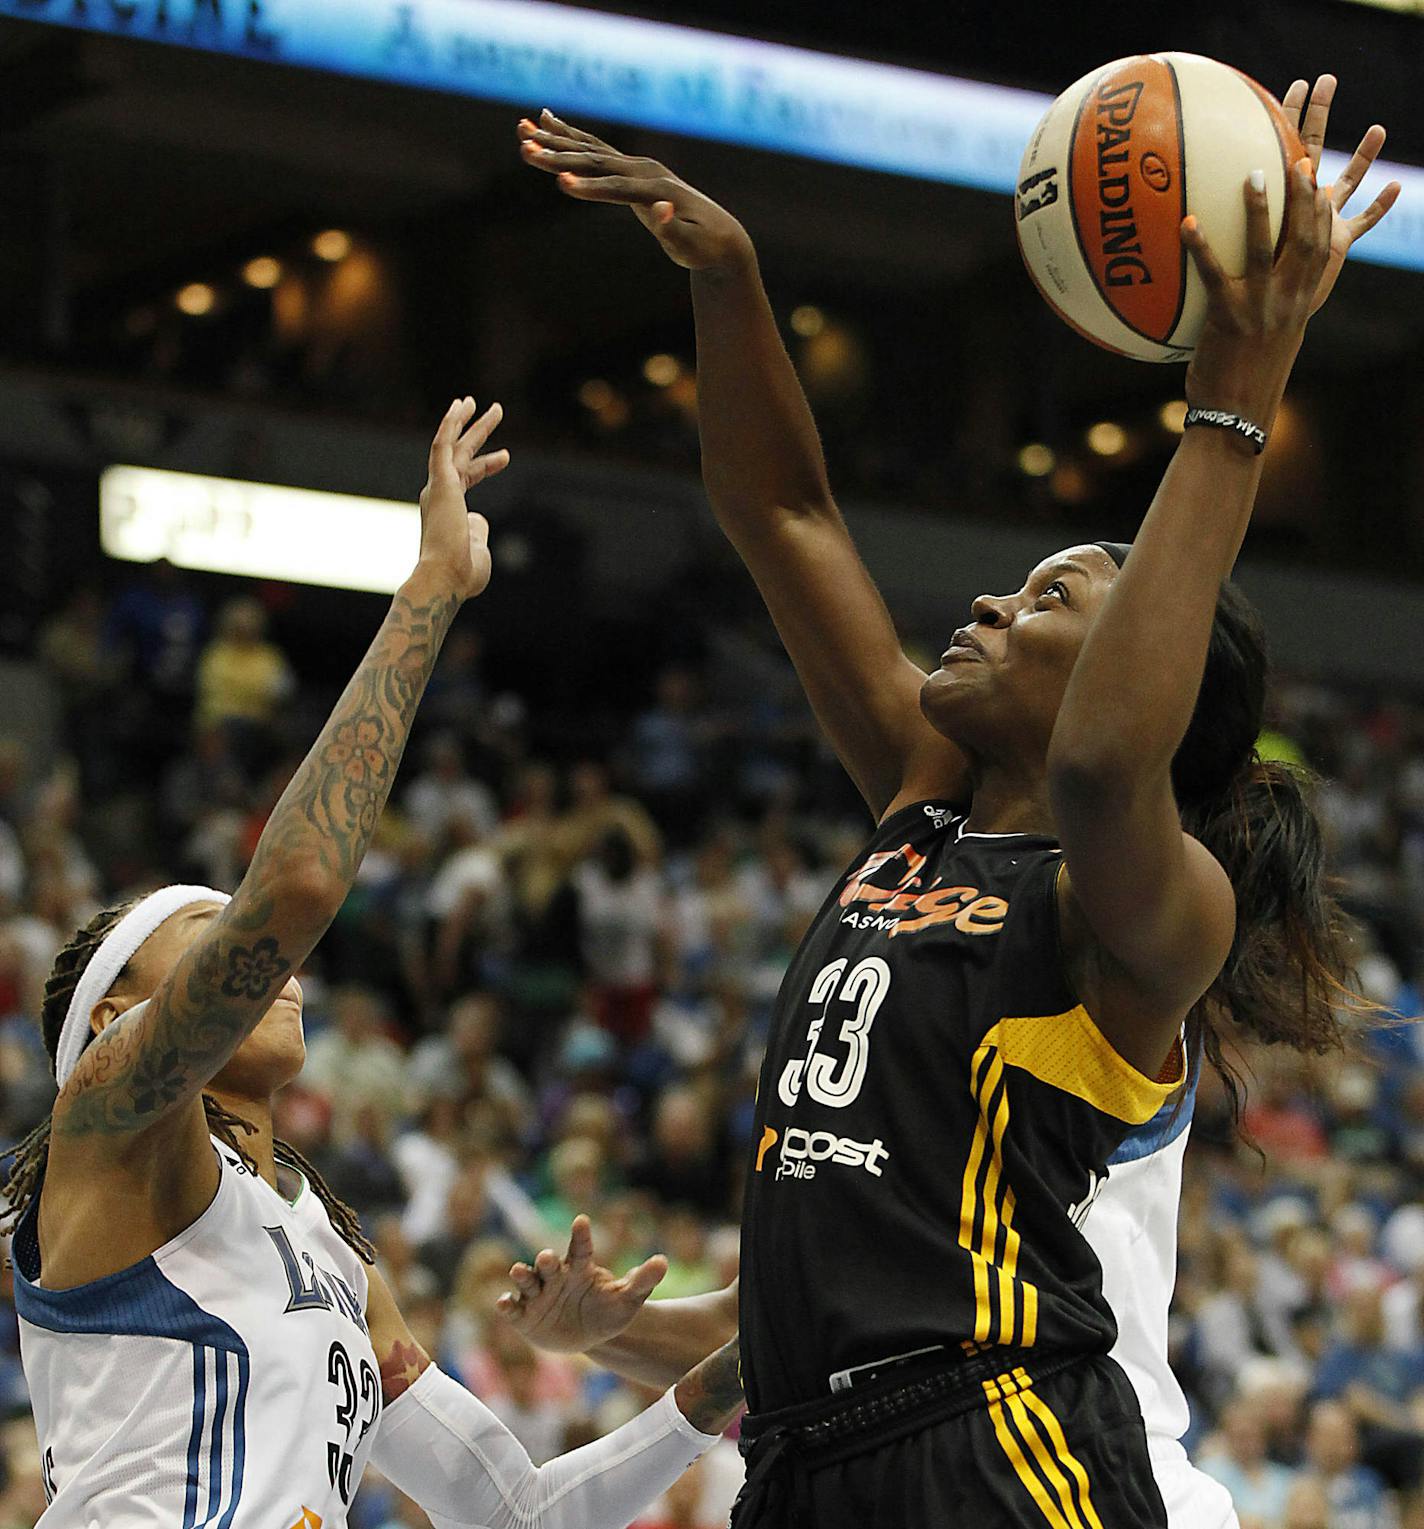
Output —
<point x="1224" y="421"/>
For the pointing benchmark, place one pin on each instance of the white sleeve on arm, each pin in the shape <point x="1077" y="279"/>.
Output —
<point x="446" y="1449"/>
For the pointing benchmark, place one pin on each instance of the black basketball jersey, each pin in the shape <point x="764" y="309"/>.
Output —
<point x="935" y="1115"/>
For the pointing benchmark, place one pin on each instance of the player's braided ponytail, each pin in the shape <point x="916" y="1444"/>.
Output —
<point x="27" y="1158"/>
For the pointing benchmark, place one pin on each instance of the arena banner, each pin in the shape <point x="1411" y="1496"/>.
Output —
<point x="653" y="74"/>
<point x="256" y="530"/>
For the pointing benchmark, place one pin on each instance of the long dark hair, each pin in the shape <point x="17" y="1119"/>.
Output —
<point x="27" y="1158"/>
<point x="1288" y="977"/>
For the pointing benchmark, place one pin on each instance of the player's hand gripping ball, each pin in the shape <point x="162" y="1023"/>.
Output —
<point x="1119" y="159"/>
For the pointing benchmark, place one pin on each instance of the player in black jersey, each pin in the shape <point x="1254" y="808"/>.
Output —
<point x="1079" y="857"/>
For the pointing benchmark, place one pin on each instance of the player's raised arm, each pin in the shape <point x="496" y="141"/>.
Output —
<point x="1155" y="901"/>
<point x="442" y="1446"/>
<point x="149" y="1067"/>
<point x="766" y="476"/>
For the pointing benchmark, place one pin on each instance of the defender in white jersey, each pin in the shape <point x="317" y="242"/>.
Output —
<point x="206" y="1342"/>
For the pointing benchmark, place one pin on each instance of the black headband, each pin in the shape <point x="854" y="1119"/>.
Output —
<point x="1117" y="551"/>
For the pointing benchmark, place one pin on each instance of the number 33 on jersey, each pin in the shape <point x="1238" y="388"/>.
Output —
<point x="933" y="1098"/>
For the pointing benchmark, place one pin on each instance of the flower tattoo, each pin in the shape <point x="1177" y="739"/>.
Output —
<point x="157" y="1082"/>
<point x="251" y="973"/>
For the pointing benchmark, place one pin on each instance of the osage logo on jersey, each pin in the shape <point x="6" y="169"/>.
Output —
<point x="909" y="906"/>
<point x="802" y="1152"/>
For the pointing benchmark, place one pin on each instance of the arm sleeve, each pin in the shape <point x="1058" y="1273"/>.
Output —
<point x="442" y="1446"/>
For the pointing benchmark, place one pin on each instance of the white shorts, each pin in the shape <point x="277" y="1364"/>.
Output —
<point x="1193" y="1499"/>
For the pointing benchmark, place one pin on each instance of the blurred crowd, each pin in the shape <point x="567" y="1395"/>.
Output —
<point x="549" y="988"/>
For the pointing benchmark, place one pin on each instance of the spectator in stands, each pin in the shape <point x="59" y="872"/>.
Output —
<point x="467" y="909"/>
<point x="242" y="681"/>
<point x="577" y="1170"/>
<point x="1236" y="1457"/>
<point x="156" y="623"/>
<point x="594" y="812"/>
<point x="1308" y="1506"/>
<point x="1356" y="1494"/>
<point x="354" y="1062"/>
<point x="1376" y="1386"/>
<point x="533" y="1395"/>
<point x="668" y="755"/>
<point x="446" y="791"/>
<point x="1228" y="1329"/>
<point x="685" y="1163"/>
<point x="1281" y="1116"/>
<point x="621" y="935"/>
<point x="465" y="1064"/>
<point x="470" y="1215"/>
<point x="456" y="698"/>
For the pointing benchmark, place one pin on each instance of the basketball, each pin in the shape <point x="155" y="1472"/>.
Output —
<point x="1118" y="160"/>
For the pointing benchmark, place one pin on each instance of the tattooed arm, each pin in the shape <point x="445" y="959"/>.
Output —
<point x="220" y="975"/>
<point x="710" y="1396"/>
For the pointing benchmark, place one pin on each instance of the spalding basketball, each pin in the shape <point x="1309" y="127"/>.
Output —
<point x="1118" y="161"/>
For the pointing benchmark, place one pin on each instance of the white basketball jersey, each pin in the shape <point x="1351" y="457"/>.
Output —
<point x="1132" y="1227"/>
<point x="225" y="1382"/>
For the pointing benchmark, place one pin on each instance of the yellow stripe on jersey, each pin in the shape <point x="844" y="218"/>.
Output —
<point x="1069" y="1052"/>
<point x="970" y="1196"/>
<point x="990" y="1205"/>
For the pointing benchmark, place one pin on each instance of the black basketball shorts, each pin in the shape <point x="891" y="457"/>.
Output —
<point x="1065" y="1450"/>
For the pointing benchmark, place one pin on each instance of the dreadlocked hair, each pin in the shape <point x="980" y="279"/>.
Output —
<point x="27" y="1158"/>
<point x="1288" y="978"/>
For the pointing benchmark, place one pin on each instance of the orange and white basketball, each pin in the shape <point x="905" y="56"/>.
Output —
<point x="1119" y="159"/>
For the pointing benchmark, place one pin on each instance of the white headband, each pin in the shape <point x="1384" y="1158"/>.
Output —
<point x="110" y="959"/>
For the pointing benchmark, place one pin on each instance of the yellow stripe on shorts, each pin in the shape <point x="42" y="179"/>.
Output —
<point x="1025" y="1472"/>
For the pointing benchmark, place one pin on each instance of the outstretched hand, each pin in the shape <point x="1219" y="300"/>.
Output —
<point x="573" y="1303"/>
<point x="693" y="230"/>
<point x="451" y="538"/>
<point x="1310" y="110"/>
